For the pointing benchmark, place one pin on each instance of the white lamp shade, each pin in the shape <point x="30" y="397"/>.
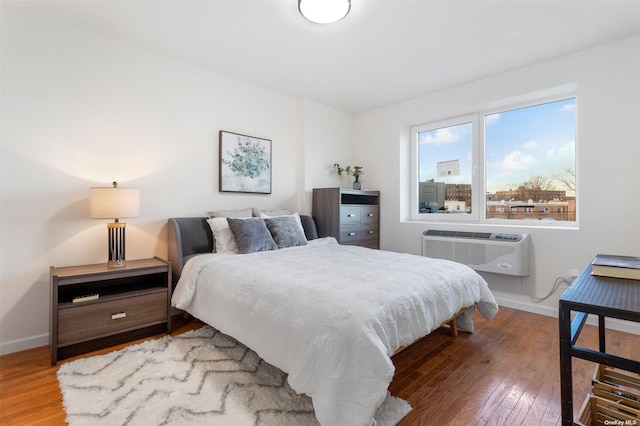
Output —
<point x="324" y="11"/>
<point x="114" y="203"/>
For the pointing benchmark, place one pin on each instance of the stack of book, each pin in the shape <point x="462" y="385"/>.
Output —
<point x="85" y="297"/>
<point x="608" y="265"/>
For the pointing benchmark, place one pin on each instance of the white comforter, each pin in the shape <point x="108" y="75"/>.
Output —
<point x="331" y="315"/>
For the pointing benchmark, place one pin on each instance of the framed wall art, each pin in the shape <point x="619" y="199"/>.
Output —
<point x="245" y="163"/>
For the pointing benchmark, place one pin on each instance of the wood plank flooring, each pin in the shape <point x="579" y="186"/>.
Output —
<point x="506" y="373"/>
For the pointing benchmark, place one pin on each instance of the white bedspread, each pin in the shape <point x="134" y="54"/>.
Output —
<point x="331" y="315"/>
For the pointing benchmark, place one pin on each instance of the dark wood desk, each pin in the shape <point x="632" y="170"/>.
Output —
<point x="605" y="297"/>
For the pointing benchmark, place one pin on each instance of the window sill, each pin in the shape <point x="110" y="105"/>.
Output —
<point x="529" y="225"/>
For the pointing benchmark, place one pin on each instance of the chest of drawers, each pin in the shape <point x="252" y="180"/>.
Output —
<point x="350" y="216"/>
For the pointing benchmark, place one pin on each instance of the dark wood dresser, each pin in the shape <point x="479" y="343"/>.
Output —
<point x="351" y="216"/>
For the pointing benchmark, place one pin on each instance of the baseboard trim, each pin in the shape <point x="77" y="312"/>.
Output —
<point x="612" y="323"/>
<point x="24" y="344"/>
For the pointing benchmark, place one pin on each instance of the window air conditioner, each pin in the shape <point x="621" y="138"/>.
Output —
<point x="500" y="253"/>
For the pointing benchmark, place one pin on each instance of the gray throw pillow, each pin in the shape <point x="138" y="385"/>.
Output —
<point x="286" y="231"/>
<point x="251" y="235"/>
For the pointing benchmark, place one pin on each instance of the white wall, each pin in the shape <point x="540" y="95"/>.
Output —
<point x="81" y="110"/>
<point x="326" y="145"/>
<point x="608" y="146"/>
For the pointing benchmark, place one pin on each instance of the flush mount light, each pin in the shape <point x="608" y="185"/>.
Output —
<point x="324" y="11"/>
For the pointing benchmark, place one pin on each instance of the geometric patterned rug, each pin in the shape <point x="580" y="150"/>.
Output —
<point x="201" y="377"/>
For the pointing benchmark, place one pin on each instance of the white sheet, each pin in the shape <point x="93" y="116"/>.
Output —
<point x="330" y="315"/>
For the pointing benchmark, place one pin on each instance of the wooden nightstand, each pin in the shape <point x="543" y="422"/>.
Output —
<point x="132" y="302"/>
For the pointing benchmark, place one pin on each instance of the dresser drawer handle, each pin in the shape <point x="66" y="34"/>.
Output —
<point x="351" y="215"/>
<point x="351" y="234"/>
<point x="370" y="215"/>
<point x="370" y="232"/>
<point x="118" y="315"/>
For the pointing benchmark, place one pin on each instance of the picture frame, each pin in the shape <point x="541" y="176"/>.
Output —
<point x="244" y="163"/>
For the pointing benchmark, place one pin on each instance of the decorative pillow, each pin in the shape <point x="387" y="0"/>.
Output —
<point x="296" y="216"/>
<point x="230" y="213"/>
<point x="251" y="235"/>
<point x="286" y="231"/>
<point x="274" y="212"/>
<point x="223" y="241"/>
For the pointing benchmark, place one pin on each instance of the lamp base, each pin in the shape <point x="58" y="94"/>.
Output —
<point x="116" y="244"/>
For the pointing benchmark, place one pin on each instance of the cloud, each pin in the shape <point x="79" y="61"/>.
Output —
<point x="568" y="148"/>
<point x="441" y="136"/>
<point x="532" y="144"/>
<point x="490" y="120"/>
<point x="568" y="108"/>
<point x="566" y="151"/>
<point x="517" y="160"/>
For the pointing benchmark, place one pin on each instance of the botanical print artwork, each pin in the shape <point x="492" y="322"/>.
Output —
<point x="245" y="163"/>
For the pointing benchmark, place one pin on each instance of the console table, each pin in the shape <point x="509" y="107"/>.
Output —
<point x="604" y="297"/>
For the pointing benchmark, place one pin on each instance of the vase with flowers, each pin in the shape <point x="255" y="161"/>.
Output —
<point x="354" y="171"/>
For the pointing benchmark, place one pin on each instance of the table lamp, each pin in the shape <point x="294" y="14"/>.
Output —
<point x="115" y="203"/>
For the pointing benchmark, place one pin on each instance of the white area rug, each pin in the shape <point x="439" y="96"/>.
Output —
<point x="201" y="377"/>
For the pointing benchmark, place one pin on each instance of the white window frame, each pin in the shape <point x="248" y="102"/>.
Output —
<point x="415" y="160"/>
<point x="478" y="185"/>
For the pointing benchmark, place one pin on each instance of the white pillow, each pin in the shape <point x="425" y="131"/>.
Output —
<point x="230" y="213"/>
<point x="296" y="216"/>
<point x="222" y="235"/>
<point x="272" y="213"/>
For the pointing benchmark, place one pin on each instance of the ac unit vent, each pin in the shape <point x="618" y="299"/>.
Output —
<point x="458" y="234"/>
<point x="501" y="253"/>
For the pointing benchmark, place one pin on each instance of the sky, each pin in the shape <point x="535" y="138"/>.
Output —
<point x="520" y="144"/>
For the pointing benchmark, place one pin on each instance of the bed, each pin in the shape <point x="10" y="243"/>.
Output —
<point x="329" y="315"/>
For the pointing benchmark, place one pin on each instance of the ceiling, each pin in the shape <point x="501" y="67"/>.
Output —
<point x="383" y="52"/>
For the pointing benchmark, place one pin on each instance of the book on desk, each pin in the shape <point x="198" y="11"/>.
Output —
<point x="609" y="265"/>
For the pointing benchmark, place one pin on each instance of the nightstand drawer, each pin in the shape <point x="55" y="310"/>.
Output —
<point x="93" y="320"/>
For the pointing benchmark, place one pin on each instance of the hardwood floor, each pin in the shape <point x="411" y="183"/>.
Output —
<point x="29" y="392"/>
<point x="506" y="373"/>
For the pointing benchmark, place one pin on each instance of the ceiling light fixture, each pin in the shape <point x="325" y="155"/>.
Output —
<point x="324" y="11"/>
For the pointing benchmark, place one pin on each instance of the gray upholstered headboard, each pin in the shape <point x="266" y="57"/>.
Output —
<point x="192" y="235"/>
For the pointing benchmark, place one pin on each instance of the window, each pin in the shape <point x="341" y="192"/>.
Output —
<point x="513" y="163"/>
<point x="445" y="168"/>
